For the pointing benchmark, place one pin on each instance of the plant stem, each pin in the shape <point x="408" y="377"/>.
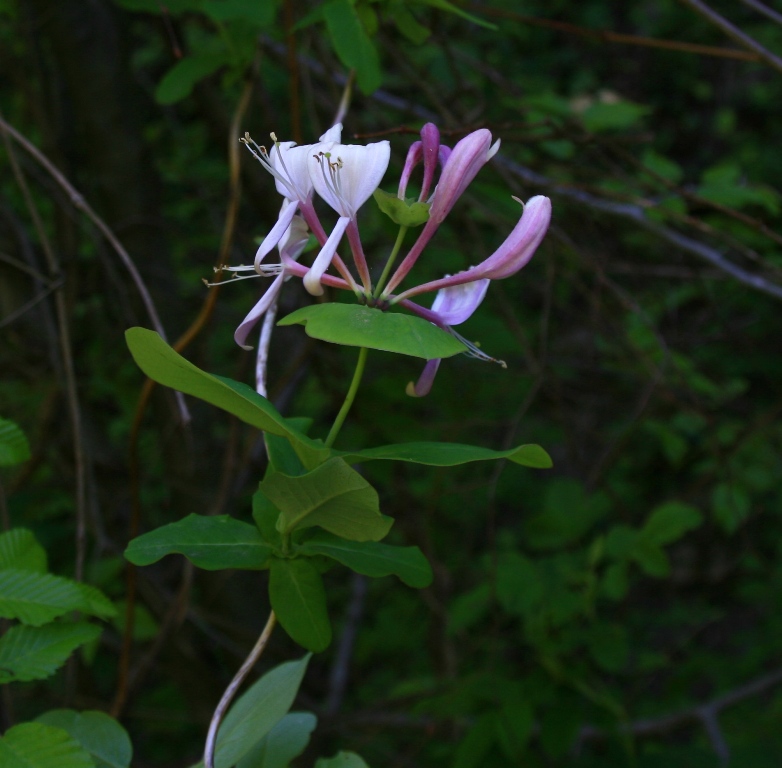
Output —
<point x="349" y="398"/>
<point x="391" y="259"/>
<point x="230" y="691"/>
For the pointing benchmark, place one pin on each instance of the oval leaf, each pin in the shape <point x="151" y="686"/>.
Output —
<point x="102" y="736"/>
<point x="34" y="745"/>
<point x="165" y="366"/>
<point x="212" y="543"/>
<point x="333" y="496"/>
<point x="358" y="326"/>
<point x="372" y="559"/>
<point x="288" y="739"/>
<point x="299" y="600"/>
<point x="449" y="454"/>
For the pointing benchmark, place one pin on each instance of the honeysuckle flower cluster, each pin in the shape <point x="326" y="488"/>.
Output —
<point x="345" y="176"/>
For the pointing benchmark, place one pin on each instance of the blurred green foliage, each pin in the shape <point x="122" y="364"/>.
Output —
<point x="580" y="616"/>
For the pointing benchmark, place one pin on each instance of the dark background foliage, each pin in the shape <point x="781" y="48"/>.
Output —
<point x="620" y="609"/>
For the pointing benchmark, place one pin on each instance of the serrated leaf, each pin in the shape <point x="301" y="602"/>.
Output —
<point x="14" y="448"/>
<point x="287" y="740"/>
<point x="372" y="559"/>
<point x="449" y="454"/>
<point x="257" y="711"/>
<point x="35" y="653"/>
<point x="209" y="542"/>
<point x="406" y="213"/>
<point x="332" y="496"/>
<point x="352" y="44"/>
<point x="101" y="736"/>
<point x="37" y="598"/>
<point x="359" y="326"/>
<point x="19" y="549"/>
<point x="34" y="745"/>
<point x="165" y="366"/>
<point x="179" y="81"/>
<point x="299" y="600"/>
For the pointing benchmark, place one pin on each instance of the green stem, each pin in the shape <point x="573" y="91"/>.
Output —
<point x="391" y="259"/>
<point x="349" y="397"/>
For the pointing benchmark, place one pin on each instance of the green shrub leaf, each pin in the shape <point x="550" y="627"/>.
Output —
<point x="19" y="549"/>
<point x="371" y="558"/>
<point x="209" y="542"/>
<point x="35" y="745"/>
<point x="287" y="740"/>
<point x="102" y="736"/>
<point x="333" y="496"/>
<point x="299" y="600"/>
<point x="358" y="326"/>
<point x="14" y="448"/>
<point x="34" y="653"/>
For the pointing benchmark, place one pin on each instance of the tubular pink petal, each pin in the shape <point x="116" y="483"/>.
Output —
<point x="521" y="244"/>
<point x="255" y="314"/>
<point x="414" y="155"/>
<point x="323" y="259"/>
<point x="424" y="384"/>
<point x="430" y="140"/>
<point x="464" y="162"/>
<point x="457" y="303"/>
<point x="278" y="230"/>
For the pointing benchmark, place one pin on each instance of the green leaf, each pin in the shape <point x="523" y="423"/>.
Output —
<point x="299" y="600"/>
<point x="265" y="515"/>
<point x="35" y="745"/>
<point x="359" y="326"/>
<point x="341" y="760"/>
<point x="474" y="747"/>
<point x="652" y="559"/>
<point x="179" y="81"/>
<point x="333" y="496"/>
<point x="352" y="44"/>
<point x="34" y="653"/>
<point x="14" y="448"/>
<point x="613" y="116"/>
<point x="100" y="735"/>
<point x="449" y="454"/>
<point x="257" y="711"/>
<point x="609" y="646"/>
<point x="19" y="549"/>
<point x="406" y="23"/>
<point x="38" y="598"/>
<point x="730" y="505"/>
<point x="406" y="213"/>
<point x="165" y="366"/>
<point x="287" y="740"/>
<point x="257" y="12"/>
<point x="372" y="559"/>
<point x="669" y="522"/>
<point x="209" y="542"/>
<point x="514" y="724"/>
<point x="444" y="5"/>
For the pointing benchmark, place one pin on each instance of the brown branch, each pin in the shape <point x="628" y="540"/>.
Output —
<point x="618" y="37"/>
<point x="732" y="31"/>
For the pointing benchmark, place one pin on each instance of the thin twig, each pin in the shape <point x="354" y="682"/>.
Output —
<point x="732" y="31"/>
<point x="66" y="352"/>
<point x="764" y="9"/>
<point x="233" y="687"/>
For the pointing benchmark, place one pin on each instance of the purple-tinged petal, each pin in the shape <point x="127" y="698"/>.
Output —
<point x="255" y="314"/>
<point x="464" y="162"/>
<point x="424" y="384"/>
<point x="430" y="139"/>
<point x="454" y="305"/>
<point x="293" y="242"/>
<point x="323" y="259"/>
<point x="278" y="230"/>
<point x="521" y="244"/>
<point x="414" y="155"/>
<point x="509" y="258"/>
